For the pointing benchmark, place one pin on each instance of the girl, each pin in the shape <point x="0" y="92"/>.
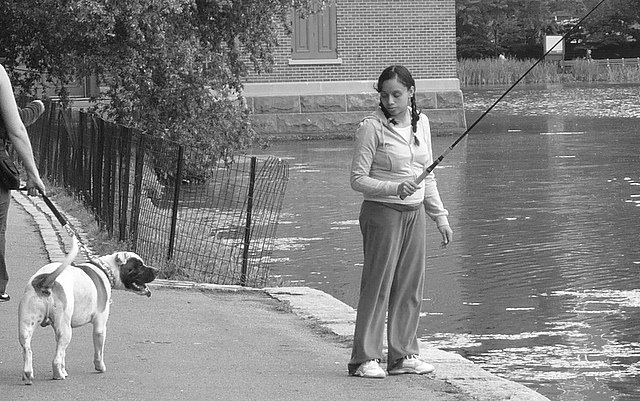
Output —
<point x="392" y="148"/>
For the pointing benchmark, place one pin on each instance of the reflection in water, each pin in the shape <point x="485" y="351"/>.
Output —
<point x="541" y="284"/>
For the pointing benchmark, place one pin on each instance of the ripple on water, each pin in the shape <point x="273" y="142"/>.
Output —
<point x="293" y="243"/>
<point x="567" y="350"/>
<point x="600" y="101"/>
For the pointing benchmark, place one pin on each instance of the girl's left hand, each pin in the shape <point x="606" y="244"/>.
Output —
<point x="447" y="234"/>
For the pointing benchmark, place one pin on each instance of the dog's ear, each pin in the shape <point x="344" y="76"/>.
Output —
<point x="121" y="258"/>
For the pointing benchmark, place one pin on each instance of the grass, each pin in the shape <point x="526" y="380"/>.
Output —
<point x="505" y="72"/>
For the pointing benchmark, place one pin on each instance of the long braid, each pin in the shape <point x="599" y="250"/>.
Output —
<point x="415" y="114"/>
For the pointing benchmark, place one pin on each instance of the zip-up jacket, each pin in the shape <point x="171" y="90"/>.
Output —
<point x="382" y="159"/>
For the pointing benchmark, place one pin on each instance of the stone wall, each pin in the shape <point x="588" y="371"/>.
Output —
<point x="321" y="110"/>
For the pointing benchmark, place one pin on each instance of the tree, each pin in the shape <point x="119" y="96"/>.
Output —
<point x="173" y="67"/>
<point x="489" y="27"/>
<point x="614" y="29"/>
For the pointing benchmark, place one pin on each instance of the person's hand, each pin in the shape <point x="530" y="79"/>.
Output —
<point x="35" y="186"/>
<point x="39" y="102"/>
<point x="406" y="188"/>
<point x="447" y="235"/>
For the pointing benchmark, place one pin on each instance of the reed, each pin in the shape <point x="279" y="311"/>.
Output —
<point x="505" y="72"/>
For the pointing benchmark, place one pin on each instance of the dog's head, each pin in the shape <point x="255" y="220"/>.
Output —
<point x="134" y="274"/>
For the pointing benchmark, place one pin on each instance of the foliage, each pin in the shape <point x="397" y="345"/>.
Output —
<point x="614" y="29"/>
<point x="511" y="27"/>
<point x="171" y="67"/>
<point x="487" y="28"/>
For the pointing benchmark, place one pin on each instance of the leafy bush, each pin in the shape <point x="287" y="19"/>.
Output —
<point x="172" y="68"/>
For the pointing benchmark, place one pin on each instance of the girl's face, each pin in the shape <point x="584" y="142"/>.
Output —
<point x="395" y="97"/>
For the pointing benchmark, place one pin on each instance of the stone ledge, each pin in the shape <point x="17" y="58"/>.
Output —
<point x="338" y="87"/>
<point x="451" y="367"/>
<point x="343" y="124"/>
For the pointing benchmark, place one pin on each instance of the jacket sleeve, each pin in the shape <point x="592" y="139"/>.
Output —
<point x="433" y="205"/>
<point x="31" y="112"/>
<point x="366" y="142"/>
<point x="432" y="202"/>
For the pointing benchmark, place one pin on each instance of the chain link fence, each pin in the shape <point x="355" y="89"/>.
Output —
<point x="217" y="228"/>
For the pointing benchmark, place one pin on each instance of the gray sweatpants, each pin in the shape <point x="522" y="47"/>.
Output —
<point x="394" y="244"/>
<point x="5" y="199"/>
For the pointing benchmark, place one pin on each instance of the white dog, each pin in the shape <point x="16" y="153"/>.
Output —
<point x="67" y="296"/>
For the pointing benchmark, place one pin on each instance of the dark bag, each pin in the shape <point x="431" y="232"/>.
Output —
<point x="9" y="174"/>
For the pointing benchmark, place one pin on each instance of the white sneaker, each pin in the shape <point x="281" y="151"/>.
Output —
<point x="411" y="364"/>
<point x="370" y="369"/>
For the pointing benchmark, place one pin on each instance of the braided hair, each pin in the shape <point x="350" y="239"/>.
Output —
<point x="403" y="76"/>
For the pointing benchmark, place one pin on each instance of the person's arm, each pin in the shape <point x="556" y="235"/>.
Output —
<point x="363" y="156"/>
<point x="17" y="133"/>
<point x="31" y="112"/>
<point x="432" y="202"/>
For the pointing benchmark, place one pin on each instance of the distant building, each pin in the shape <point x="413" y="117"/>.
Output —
<point x="322" y="82"/>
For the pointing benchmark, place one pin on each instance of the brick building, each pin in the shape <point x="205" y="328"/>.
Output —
<point x="322" y="81"/>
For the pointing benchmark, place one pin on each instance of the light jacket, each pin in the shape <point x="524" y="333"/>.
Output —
<point x="382" y="159"/>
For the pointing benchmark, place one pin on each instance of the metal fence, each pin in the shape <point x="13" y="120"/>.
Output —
<point x="219" y="228"/>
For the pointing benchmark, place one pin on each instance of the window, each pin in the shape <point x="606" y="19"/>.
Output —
<point x="314" y="37"/>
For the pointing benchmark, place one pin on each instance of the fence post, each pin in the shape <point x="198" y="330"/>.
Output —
<point x="247" y="228"/>
<point x="137" y="192"/>
<point x="124" y="170"/>
<point x="97" y="144"/>
<point x="176" y="198"/>
<point x="107" y="177"/>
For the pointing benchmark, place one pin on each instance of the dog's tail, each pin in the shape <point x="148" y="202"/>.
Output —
<point x="42" y="283"/>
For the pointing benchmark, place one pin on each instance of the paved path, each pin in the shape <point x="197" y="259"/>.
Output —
<point x="207" y="342"/>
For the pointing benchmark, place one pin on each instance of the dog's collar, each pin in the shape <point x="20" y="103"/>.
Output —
<point x="105" y="269"/>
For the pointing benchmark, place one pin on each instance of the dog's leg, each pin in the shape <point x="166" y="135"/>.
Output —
<point x="29" y="316"/>
<point x="99" y="336"/>
<point x="63" y="338"/>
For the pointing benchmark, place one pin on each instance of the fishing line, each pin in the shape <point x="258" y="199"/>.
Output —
<point x="450" y="148"/>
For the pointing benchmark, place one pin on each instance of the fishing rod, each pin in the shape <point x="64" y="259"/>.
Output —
<point x="433" y="165"/>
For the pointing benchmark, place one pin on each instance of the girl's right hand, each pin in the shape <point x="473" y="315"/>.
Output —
<point x="406" y="188"/>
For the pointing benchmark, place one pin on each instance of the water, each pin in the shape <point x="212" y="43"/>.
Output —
<point x="542" y="282"/>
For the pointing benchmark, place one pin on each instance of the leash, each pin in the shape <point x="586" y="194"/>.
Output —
<point x="67" y="226"/>
<point x="433" y="165"/>
<point x="70" y="230"/>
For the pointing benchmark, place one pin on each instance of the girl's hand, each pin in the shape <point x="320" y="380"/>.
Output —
<point x="406" y="188"/>
<point x="447" y="235"/>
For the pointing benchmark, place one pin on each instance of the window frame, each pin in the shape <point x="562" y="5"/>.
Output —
<point x="314" y="37"/>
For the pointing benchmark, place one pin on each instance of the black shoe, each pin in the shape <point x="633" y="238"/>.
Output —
<point x="4" y="297"/>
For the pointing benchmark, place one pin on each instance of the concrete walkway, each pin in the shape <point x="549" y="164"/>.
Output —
<point x="208" y="342"/>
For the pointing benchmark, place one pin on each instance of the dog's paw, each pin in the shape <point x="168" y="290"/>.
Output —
<point x="27" y="378"/>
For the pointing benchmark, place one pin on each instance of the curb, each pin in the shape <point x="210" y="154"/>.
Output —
<point x="328" y="312"/>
